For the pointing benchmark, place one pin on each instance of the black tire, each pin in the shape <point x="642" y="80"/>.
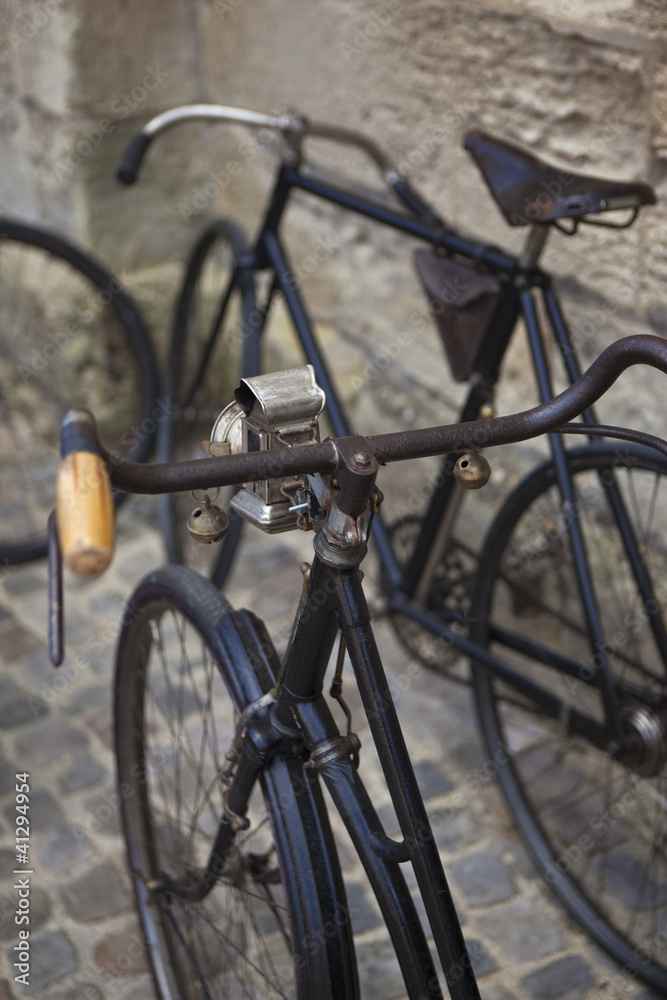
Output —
<point x="69" y="336"/>
<point x="187" y="666"/>
<point x="216" y="307"/>
<point x="594" y="825"/>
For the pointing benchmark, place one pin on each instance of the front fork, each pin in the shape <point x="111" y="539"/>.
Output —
<point x="301" y="721"/>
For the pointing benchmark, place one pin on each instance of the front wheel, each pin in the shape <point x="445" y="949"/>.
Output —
<point x="274" y="922"/>
<point x="594" y="820"/>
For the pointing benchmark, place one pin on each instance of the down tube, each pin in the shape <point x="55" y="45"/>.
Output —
<point x="410" y="810"/>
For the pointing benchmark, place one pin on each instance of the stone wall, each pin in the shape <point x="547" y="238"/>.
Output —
<point x="581" y="82"/>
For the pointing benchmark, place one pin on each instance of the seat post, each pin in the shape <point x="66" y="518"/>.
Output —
<point x="534" y="245"/>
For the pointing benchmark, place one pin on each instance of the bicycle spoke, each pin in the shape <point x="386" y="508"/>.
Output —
<point x="236" y="940"/>
<point x="595" y="822"/>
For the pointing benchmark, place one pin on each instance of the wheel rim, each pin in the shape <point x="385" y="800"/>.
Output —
<point x="63" y="344"/>
<point x="596" y="826"/>
<point x="236" y="941"/>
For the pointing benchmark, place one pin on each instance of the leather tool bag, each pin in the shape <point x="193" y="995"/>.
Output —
<point x="463" y="301"/>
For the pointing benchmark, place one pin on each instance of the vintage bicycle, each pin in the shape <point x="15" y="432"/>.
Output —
<point x="548" y="574"/>
<point x="222" y="747"/>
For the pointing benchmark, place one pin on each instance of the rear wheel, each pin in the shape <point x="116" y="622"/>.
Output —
<point x="272" y="924"/>
<point x="214" y="343"/>
<point x="69" y="336"/>
<point x="595" y="821"/>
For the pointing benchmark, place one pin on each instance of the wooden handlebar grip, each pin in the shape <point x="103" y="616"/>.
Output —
<point x="84" y="507"/>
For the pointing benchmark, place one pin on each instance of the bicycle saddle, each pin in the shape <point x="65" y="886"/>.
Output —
<point x="529" y="190"/>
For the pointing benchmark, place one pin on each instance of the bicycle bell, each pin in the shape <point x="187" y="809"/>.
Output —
<point x="472" y="470"/>
<point x="271" y="412"/>
<point x="208" y="523"/>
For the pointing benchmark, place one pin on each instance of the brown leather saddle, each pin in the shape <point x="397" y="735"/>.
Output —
<point x="530" y="191"/>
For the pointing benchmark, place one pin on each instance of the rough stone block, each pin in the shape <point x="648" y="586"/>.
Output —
<point x="483" y="877"/>
<point x="363" y="913"/>
<point x="431" y="780"/>
<point x="99" y="893"/>
<point x="89" y="697"/>
<point x="122" y="954"/>
<point x="62" y="848"/>
<point x="482" y="963"/>
<point x="21" y="710"/>
<point x="568" y="977"/>
<point x="83" y="772"/>
<point x="16" y="642"/>
<point x="39" y="909"/>
<point x="51" y="957"/>
<point x="7" y="775"/>
<point x="522" y="929"/>
<point x="44" y="811"/>
<point x="49" y="739"/>
<point x="104" y="809"/>
<point x="455" y="828"/>
<point x="81" y="991"/>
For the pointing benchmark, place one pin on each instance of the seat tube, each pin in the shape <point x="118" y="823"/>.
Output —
<point x="578" y="547"/>
<point x="534" y="245"/>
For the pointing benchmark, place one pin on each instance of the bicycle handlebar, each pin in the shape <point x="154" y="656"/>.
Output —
<point x="83" y="497"/>
<point x="134" y="477"/>
<point x="136" y="150"/>
<point x="132" y="157"/>
<point x="294" y="127"/>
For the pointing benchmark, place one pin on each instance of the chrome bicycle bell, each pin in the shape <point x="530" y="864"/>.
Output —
<point x="208" y="523"/>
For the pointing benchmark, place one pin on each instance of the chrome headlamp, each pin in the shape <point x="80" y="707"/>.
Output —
<point x="271" y="412"/>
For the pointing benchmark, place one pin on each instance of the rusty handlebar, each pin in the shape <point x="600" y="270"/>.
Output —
<point x="552" y="416"/>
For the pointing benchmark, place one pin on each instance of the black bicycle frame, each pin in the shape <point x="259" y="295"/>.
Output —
<point x="301" y="716"/>
<point x="519" y="284"/>
<point x="299" y="723"/>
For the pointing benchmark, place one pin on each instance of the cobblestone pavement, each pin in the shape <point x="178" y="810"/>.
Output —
<point x="85" y="942"/>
